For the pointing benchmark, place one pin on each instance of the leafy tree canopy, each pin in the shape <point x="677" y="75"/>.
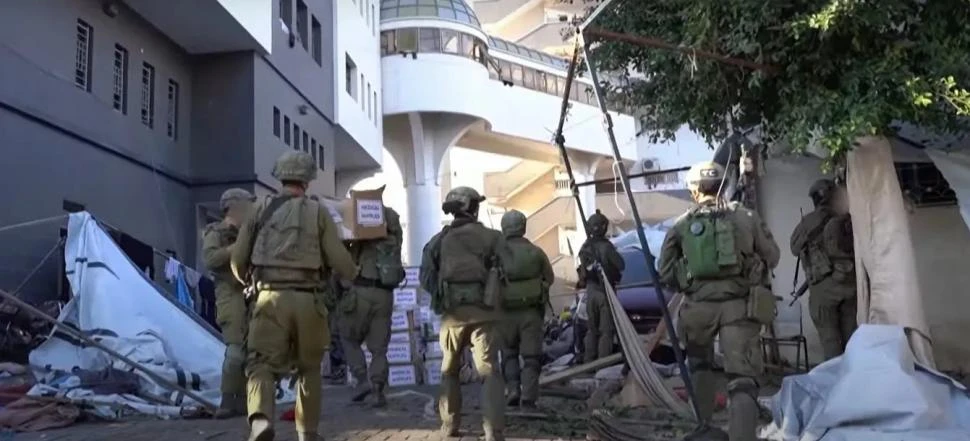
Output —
<point x="840" y="69"/>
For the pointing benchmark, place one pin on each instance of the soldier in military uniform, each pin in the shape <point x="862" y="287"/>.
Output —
<point x="598" y="250"/>
<point x="286" y="249"/>
<point x="217" y="244"/>
<point x="823" y="240"/>
<point x="529" y="276"/>
<point x="366" y="309"/>
<point x="459" y="268"/>
<point x="720" y="255"/>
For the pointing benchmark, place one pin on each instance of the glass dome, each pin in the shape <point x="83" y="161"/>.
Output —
<point x="453" y="10"/>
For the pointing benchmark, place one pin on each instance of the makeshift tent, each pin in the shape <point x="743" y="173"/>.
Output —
<point x="876" y="391"/>
<point x="114" y="303"/>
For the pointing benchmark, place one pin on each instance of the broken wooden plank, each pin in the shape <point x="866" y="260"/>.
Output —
<point x="581" y="369"/>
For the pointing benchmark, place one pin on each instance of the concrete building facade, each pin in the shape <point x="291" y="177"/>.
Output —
<point x="144" y="112"/>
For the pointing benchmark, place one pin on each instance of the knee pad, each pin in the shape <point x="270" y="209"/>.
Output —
<point x="743" y="385"/>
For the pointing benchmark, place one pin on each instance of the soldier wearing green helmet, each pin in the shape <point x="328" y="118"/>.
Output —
<point x="217" y="245"/>
<point x="529" y="275"/>
<point x="459" y="268"/>
<point x="285" y="251"/>
<point x="720" y="255"/>
<point x="598" y="250"/>
<point x="824" y="243"/>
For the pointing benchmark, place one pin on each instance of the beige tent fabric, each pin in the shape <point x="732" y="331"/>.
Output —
<point x="886" y="266"/>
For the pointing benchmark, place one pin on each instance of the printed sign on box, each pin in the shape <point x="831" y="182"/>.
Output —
<point x="411" y="276"/>
<point x="405" y="298"/>
<point x="432" y="349"/>
<point x="370" y="212"/>
<point x="398" y="352"/>
<point x="399" y="321"/>
<point x="432" y="372"/>
<point x="401" y="376"/>
<point x="400" y="337"/>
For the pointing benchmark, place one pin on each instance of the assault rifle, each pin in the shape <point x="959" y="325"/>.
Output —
<point x="798" y="291"/>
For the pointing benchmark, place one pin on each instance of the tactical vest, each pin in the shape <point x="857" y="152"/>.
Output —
<point x="522" y="263"/>
<point x="227" y="236"/>
<point x="287" y="248"/>
<point x="592" y="252"/>
<point x="380" y="261"/>
<point x="707" y="242"/>
<point x="817" y="264"/>
<point x="466" y="252"/>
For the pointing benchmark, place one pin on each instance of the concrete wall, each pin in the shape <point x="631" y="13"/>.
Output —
<point x="940" y="240"/>
<point x="356" y="35"/>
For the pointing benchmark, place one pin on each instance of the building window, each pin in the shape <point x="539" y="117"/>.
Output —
<point x="370" y="104"/>
<point x="313" y="151"/>
<point x="320" y="157"/>
<point x="361" y="2"/>
<point x="83" y="55"/>
<point x="286" y="130"/>
<point x="429" y="40"/>
<point x="301" y="23"/>
<point x="286" y="14"/>
<point x="351" y="76"/>
<point x="377" y="113"/>
<point x="296" y="137"/>
<point x="373" y="19"/>
<point x="306" y="141"/>
<point x="148" y="95"/>
<point x="119" y="80"/>
<point x="172" y="124"/>
<point x="317" y="34"/>
<point x="363" y="97"/>
<point x="276" y="122"/>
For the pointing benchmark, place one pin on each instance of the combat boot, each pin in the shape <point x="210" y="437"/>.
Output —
<point x="230" y="407"/>
<point x="514" y="400"/>
<point x="361" y="391"/>
<point x="381" y="398"/>
<point x="261" y="429"/>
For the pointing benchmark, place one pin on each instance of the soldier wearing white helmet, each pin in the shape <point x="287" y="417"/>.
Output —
<point x="217" y="243"/>
<point x="720" y="256"/>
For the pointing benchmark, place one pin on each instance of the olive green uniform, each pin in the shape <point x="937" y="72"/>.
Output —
<point x="719" y="305"/>
<point x="365" y="312"/>
<point x="289" y="258"/>
<point x="529" y="275"/>
<point x="824" y="242"/>
<point x="217" y="245"/>
<point x="601" y="330"/>
<point x="467" y="319"/>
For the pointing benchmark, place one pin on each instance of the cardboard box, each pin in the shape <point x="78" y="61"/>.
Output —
<point x="405" y="299"/>
<point x="361" y="216"/>
<point x="400" y="321"/>
<point x="400" y="337"/>
<point x="402" y="375"/>
<point x="399" y="352"/>
<point x="432" y="350"/>
<point x="411" y="276"/>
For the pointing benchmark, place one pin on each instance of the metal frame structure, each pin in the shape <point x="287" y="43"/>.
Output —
<point x="625" y="179"/>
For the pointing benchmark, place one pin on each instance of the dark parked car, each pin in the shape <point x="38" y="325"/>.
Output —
<point x="636" y="292"/>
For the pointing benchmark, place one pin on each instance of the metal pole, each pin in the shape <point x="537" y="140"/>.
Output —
<point x="633" y="176"/>
<point x="560" y="140"/>
<point x="644" y="247"/>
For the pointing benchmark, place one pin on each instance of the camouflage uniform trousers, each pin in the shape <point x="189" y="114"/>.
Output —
<point x="278" y="316"/>
<point x="484" y="341"/>
<point x="832" y="307"/>
<point x="365" y="318"/>
<point x="700" y="322"/>
<point x="231" y="316"/>
<point x="522" y="334"/>
<point x="600" y="330"/>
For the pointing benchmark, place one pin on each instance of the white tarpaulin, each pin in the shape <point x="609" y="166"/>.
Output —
<point x="876" y="391"/>
<point x="888" y="285"/>
<point x="114" y="303"/>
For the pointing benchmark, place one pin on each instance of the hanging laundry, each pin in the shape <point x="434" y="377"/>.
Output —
<point x="182" y="292"/>
<point x="172" y="267"/>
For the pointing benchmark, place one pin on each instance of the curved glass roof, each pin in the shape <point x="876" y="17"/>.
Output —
<point x="498" y="44"/>
<point x="453" y="10"/>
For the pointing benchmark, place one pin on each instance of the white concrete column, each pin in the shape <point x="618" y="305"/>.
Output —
<point x="587" y="195"/>
<point x="418" y="142"/>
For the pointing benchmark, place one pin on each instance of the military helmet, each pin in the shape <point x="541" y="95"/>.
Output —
<point x="295" y="166"/>
<point x="513" y="223"/>
<point x="462" y="199"/>
<point x="597" y="224"/>
<point x="234" y="195"/>
<point x="822" y="191"/>
<point x="707" y="172"/>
